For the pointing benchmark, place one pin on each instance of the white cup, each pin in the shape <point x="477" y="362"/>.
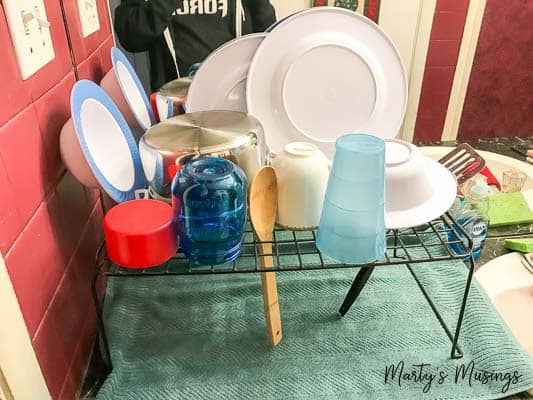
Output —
<point x="302" y="172"/>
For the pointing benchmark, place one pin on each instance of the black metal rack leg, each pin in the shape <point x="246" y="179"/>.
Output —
<point x="103" y="344"/>
<point x="456" y="351"/>
<point x="358" y="284"/>
<point x="395" y="251"/>
<point x="455" y="347"/>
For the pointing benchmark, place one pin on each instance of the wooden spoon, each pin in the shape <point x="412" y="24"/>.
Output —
<point x="263" y="205"/>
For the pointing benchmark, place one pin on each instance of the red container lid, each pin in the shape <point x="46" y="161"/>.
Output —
<point x="140" y="233"/>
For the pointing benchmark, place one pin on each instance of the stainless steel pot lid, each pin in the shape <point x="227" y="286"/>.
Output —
<point x="176" y="88"/>
<point x="204" y="132"/>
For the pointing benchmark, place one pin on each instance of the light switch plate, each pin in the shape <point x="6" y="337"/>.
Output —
<point x="30" y="34"/>
<point x="88" y="17"/>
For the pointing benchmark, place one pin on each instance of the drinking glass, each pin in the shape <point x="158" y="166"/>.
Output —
<point x="513" y="181"/>
<point x="209" y="209"/>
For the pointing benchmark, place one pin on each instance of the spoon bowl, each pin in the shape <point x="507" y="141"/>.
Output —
<point x="263" y="203"/>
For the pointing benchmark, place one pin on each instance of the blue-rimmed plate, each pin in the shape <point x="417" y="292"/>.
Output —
<point x="153" y="167"/>
<point x="106" y="141"/>
<point x="132" y="89"/>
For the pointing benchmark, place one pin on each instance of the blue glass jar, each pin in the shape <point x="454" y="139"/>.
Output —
<point x="209" y="206"/>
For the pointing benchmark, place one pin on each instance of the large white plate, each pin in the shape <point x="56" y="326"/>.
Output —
<point x="106" y="141"/>
<point x="220" y="82"/>
<point x="132" y="89"/>
<point x="325" y="72"/>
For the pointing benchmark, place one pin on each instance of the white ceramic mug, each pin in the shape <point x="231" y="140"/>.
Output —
<point x="302" y="172"/>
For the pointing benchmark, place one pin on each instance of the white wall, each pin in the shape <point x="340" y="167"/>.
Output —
<point x="18" y="362"/>
<point x="287" y="7"/>
<point x="401" y="21"/>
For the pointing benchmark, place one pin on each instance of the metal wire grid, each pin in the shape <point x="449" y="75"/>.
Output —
<point x="407" y="246"/>
<point x="297" y="250"/>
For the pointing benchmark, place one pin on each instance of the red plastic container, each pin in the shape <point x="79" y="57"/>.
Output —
<point x="140" y="233"/>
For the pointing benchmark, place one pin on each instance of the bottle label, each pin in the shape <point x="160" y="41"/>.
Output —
<point x="477" y="228"/>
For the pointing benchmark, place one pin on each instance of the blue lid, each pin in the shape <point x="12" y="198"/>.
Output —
<point x="132" y="89"/>
<point x="106" y="141"/>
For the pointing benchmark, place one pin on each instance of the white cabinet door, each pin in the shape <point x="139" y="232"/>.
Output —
<point x="5" y="392"/>
<point x="409" y="24"/>
<point x="284" y="7"/>
<point x="18" y="362"/>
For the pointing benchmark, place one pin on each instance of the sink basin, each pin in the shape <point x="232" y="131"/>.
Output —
<point x="516" y="305"/>
<point x="509" y="285"/>
<point x="496" y="163"/>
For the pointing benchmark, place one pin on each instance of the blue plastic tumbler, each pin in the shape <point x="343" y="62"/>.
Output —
<point x="209" y="206"/>
<point x="352" y="225"/>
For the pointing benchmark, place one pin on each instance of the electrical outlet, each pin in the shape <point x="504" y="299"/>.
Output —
<point x="30" y="33"/>
<point x="88" y="17"/>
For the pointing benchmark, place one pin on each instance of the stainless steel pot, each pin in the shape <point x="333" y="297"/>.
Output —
<point x="233" y="135"/>
<point x="171" y="97"/>
<point x="176" y="88"/>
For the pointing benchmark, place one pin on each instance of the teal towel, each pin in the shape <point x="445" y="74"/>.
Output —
<point x="203" y="337"/>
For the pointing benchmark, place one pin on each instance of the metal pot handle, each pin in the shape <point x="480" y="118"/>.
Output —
<point x="184" y="158"/>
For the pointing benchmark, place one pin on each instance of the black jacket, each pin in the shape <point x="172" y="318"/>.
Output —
<point x="197" y="28"/>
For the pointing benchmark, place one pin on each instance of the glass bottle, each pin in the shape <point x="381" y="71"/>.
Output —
<point x="473" y="219"/>
<point x="209" y="210"/>
<point x="477" y="196"/>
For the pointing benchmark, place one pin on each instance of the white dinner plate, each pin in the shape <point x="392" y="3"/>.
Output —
<point x="220" y="82"/>
<point x="106" y="141"/>
<point x="132" y="89"/>
<point x="325" y="72"/>
<point x="444" y="190"/>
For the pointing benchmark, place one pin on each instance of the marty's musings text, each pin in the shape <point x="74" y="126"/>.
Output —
<point x="427" y="377"/>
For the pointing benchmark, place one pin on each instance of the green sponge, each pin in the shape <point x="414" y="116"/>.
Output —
<point x="509" y="209"/>
<point x="522" y="245"/>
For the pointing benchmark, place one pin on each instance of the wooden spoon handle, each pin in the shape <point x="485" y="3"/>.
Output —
<point x="270" y="296"/>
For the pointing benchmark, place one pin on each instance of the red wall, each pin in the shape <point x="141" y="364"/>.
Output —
<point x="372" y="9"/>
<point x="499" y="100"/>
<point x="50" y="225"/>
<point x="443" y="52"/>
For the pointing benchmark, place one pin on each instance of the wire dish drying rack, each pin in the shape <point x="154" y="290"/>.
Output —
<point x="297" y="251"/>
